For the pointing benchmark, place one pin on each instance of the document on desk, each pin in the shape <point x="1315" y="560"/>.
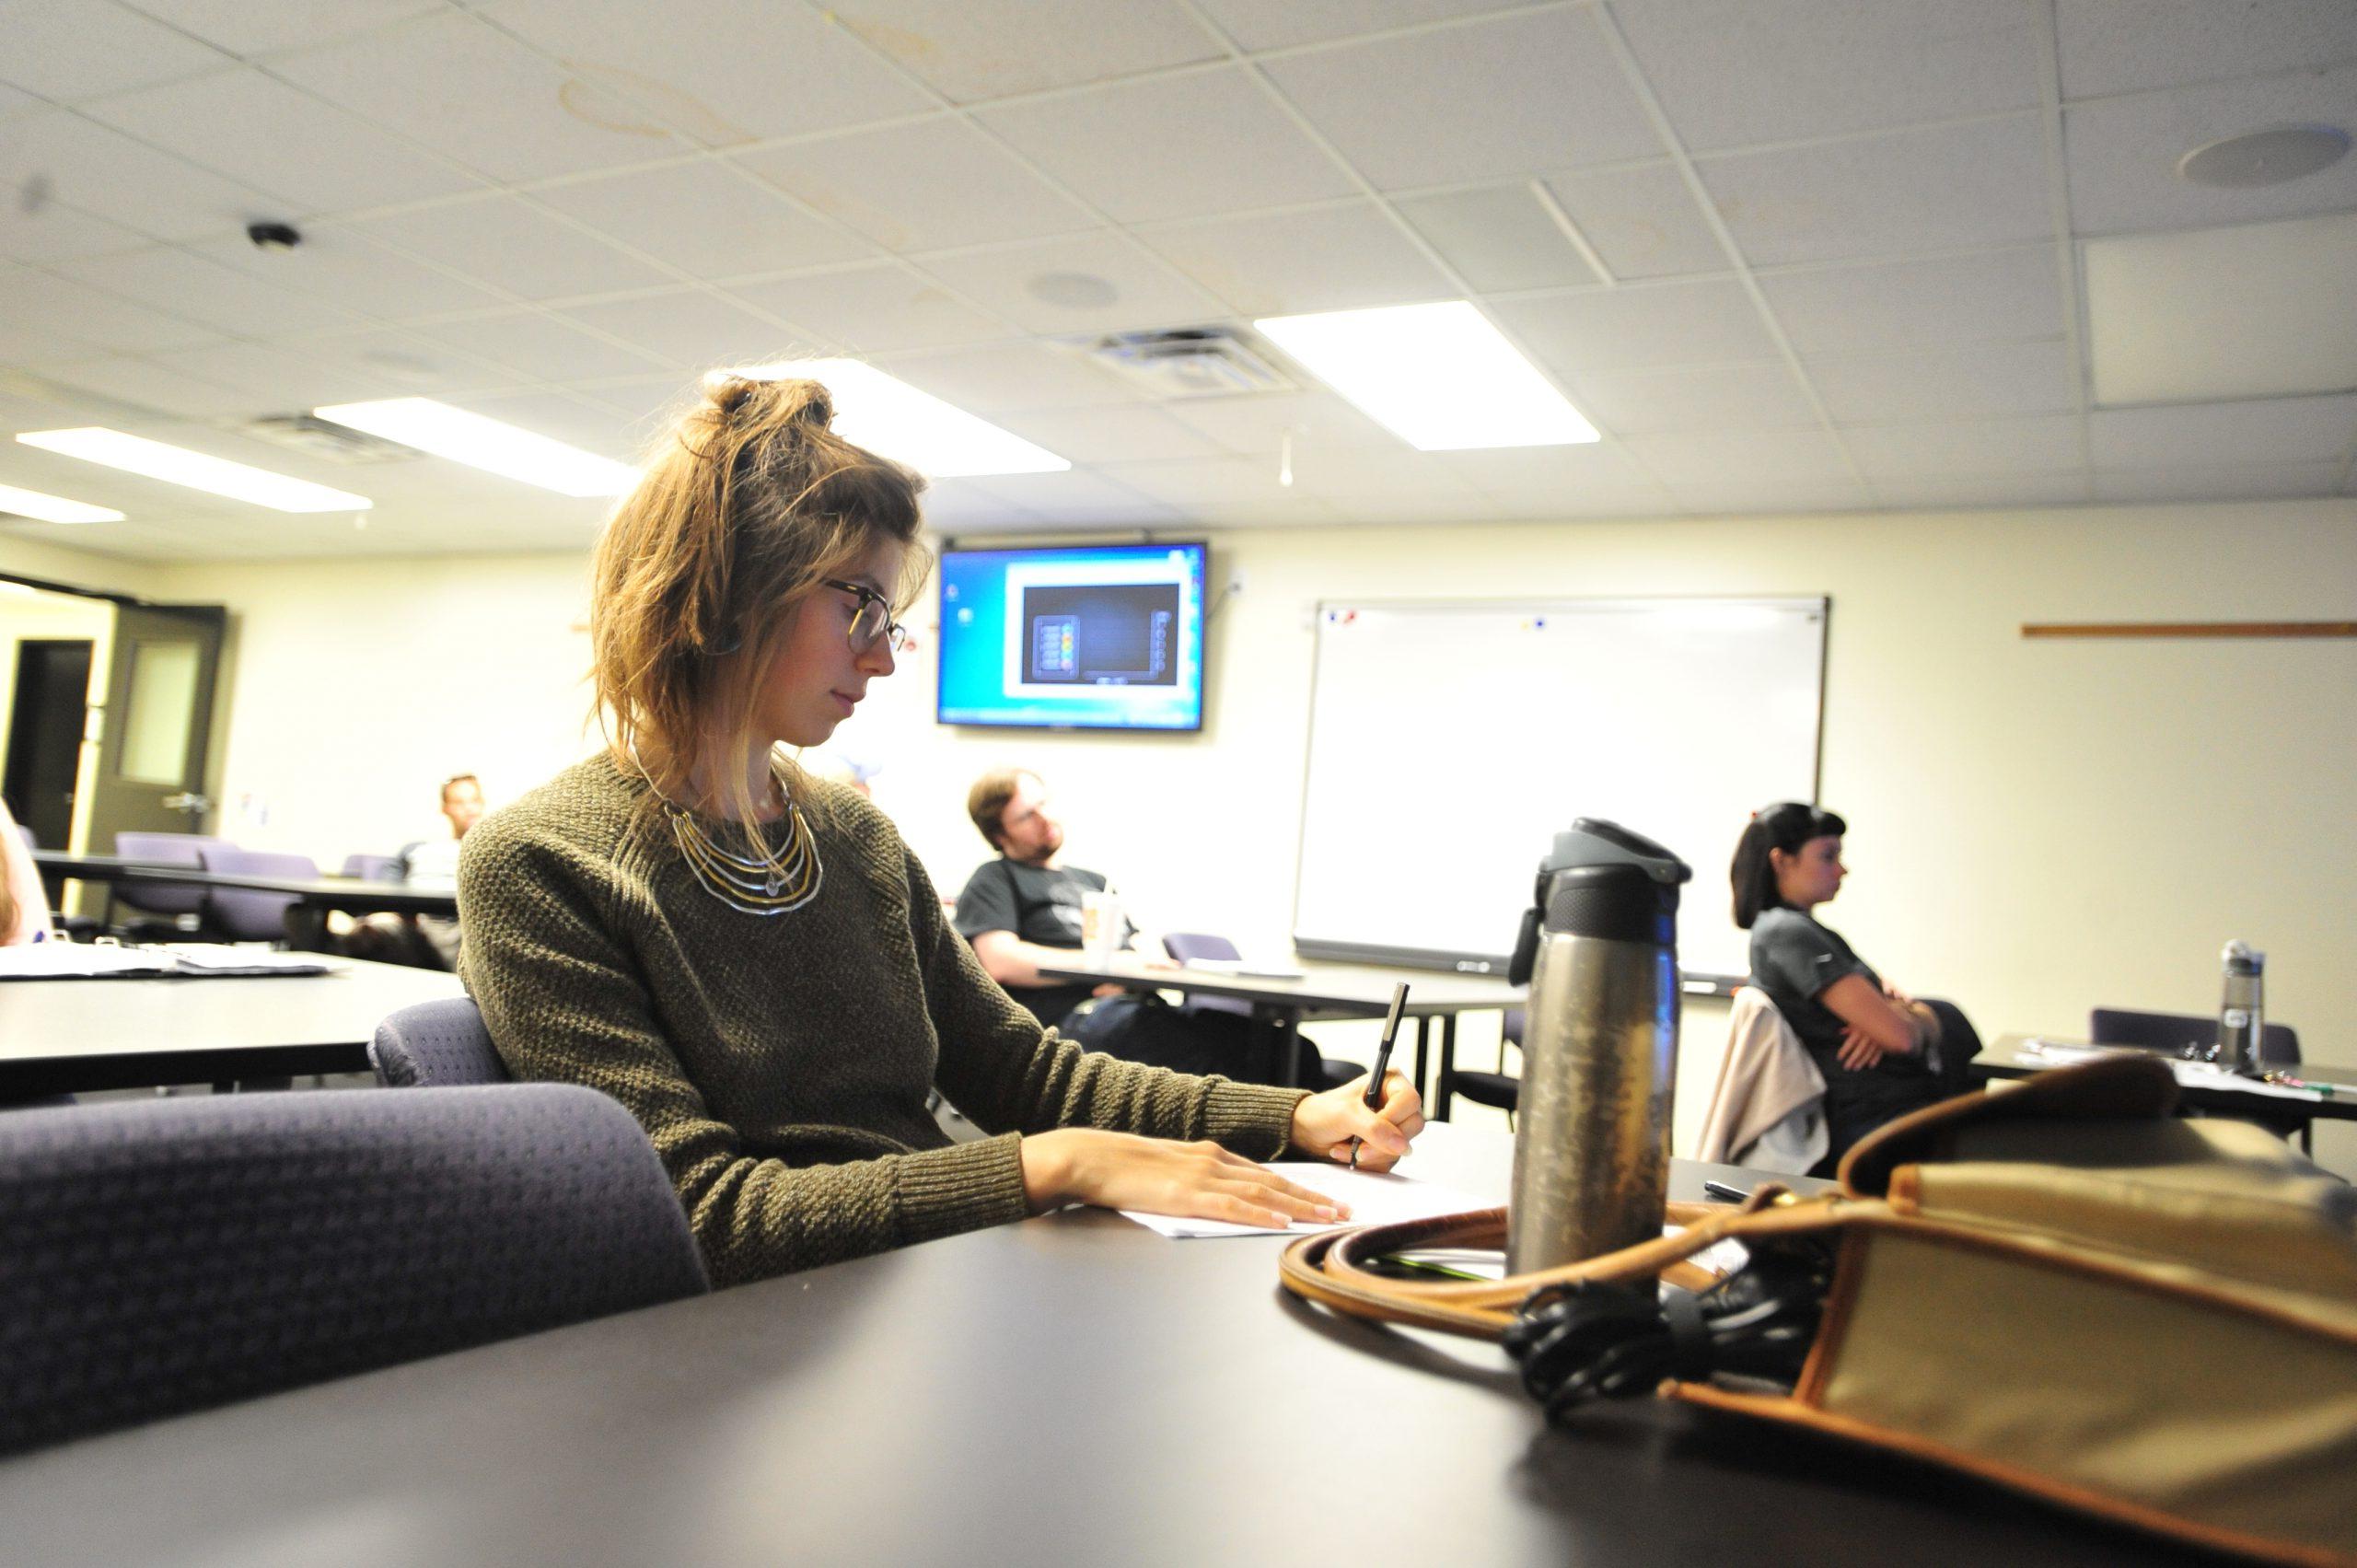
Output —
<point x="1373" y="1198"/>
<point x="2189" y="1074"/>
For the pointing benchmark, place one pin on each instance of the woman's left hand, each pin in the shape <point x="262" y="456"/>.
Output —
<point x="1858" y="1051"/>
<point x="1325" y="1124"/>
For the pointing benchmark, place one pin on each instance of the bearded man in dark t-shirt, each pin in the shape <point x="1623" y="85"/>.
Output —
<point x="1023" y="908"/>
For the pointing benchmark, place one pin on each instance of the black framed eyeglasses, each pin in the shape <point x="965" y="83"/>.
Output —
<point x="874" y="619"/>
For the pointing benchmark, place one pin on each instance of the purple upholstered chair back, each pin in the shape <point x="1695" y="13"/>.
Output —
<point x="372" y="868"/>
<point x="1187" y="946"/>
<point x="166" y="1255"/>
<point x="246" y="914"/>
<point x="169" y="849"/>
<point x="435" y="1045"/>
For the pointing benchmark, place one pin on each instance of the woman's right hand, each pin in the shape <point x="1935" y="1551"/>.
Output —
<point x="1200" y="1180"/>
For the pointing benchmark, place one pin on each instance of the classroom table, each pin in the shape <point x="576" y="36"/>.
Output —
<point x="69" y="1036"/>
<point x="352" y="895"/>
<point x="1324" y="990"/>
<point x="2007" y="1059"/>
<point x="1072" y="1390"/>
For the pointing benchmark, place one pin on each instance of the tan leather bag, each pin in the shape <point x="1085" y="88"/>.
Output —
<point x="2059" y="1287"/>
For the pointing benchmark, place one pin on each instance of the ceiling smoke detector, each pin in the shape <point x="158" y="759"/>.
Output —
<point x="329" y="443"/>
<point x="2271" y="156"/>
<point x="1190" y="362"/>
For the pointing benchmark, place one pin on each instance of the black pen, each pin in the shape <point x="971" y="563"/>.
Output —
<point x="1382" y="1059"/>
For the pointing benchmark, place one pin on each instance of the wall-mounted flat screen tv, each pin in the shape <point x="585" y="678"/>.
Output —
<point x="1097" y="636"/>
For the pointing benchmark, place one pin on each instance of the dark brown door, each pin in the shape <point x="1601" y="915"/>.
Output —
<point x="45" y="719"/>
<point x="157" y="724"/>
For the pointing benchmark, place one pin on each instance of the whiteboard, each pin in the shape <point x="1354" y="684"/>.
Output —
<point x="1449" y="742"/>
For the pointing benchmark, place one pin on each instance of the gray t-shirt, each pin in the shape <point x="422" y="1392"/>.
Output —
<point x="1793" y="959"/>
<point x="1038" y="903"/>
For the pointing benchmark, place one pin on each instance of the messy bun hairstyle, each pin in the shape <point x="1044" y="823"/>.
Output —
<point x="747" y="503"/>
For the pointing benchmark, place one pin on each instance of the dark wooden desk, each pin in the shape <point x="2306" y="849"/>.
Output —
<point x="352" y="895"/>
<point x="1325" y="991"/>
<point x="66" y="1036"/>
<point x="1072" y="1390"/>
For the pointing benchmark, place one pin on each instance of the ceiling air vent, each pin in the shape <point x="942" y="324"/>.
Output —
<point x="1191" y="362"/>
<point x="329" y="443"/>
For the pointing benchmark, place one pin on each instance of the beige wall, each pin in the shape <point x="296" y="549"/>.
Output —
<point x="2036" y="827"/>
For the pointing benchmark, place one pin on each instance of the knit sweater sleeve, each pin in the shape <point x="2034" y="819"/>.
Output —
<point x="563" y="999"/>
<point x="1005" y="1073"/>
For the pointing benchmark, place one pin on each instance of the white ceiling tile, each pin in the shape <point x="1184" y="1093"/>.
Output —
<point x="1179" y="146"/>
<point x="1762" y="497"/>
<point x="1533" y="479"/>
<point x="955" y="504"/>
<point x="971" y="51"/>
<point x="2118" y="46"/>
<point x="873" y="309"/>
<point x="2269" y="482"/>
<point x="2275" y="430"/>
<point x="1721" y="397"/>
<point x="2121" y="154"/>
<point x="146" y="385"/>
<point x="926" y="185"/>
<point x="1643" y="221"/>
<point x="1011" y="377"/>
<point x="100" y="170"/>
<point x="1489" y="100"/>
<point x="1091" y="283"/>
<point x="416" y="365"/>
<point x="1401" y="475"/>
<point x="691" y="327"/>
<point x="476" y="96"/>
<point x="2044" y="444"/>
<point x="1322" y="425"/>
<point x="1731" y="73"/>
<point x="250" y="28"/>
<point x="193" y="287"/>
<point x="14" y="105"/>
<point x="24" y="409"/>
<point x="2062" y="488"/>
<point x="281" y="380"/>
<point x="504" y="242"/>
<point x="1498" y="236"/>
<point x="2255" y="311"/>
<point x="1204" y="481"/>
<point x="1680" y="323"/>
<point x="335" y="265"/>
<point x="540" y="348"/>
<point x="39" y="299"/>
<point x="1111" y="435"/>
<point x="1282" y="24"/>
<point x="266" y="134"/>
<point x="706" y="219"/>
<point x="562" y="418"/>
<point x="1072" y="491"/>
<point x="1940" y="188"/>
<point x="1991" y="379"/>
<point x="1343" y="258"/>
<point x="1285" y="509"/>
<point x="45" y="232"/>
<point x="65" y="50"/>
<point x="1942" y="300"/>
<point x="32" y="341"/>
<point x="1708" y="457"/>
<point x="740" y="71"/>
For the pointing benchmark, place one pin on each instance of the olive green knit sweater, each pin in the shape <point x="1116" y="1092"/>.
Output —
<point x="781" y="1064"/>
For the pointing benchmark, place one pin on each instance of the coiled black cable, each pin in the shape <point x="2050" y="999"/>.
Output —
<point x="1578" y="1342"/>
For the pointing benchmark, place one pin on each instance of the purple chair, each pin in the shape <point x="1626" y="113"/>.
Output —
<point x="170" y="903"/>
<point x="372" y="868"/>
<point x="244" y="914"/>
<point x="167" y="1255"/>
<point x="1188" y="946"/>
<point x="434" y="1045"/>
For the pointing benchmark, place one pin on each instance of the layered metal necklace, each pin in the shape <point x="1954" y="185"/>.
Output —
<point x="756" y="883"/>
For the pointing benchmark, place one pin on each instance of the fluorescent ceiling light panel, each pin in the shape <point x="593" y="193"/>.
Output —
<point x="486" y="443"/>
<point x="1440" y="377"/>
<point x="894" y="420"/>
<point x="52" y="509"/>
<point x="2256" y="310"/>
<point x="178" y="465"/>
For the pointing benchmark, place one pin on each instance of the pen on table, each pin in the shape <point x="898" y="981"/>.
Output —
<point x="1382" y="1059"/>
<point x="1721" y="1190"/>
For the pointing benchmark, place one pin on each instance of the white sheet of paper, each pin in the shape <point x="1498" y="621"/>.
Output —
<point x="1374" y="1198"/>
